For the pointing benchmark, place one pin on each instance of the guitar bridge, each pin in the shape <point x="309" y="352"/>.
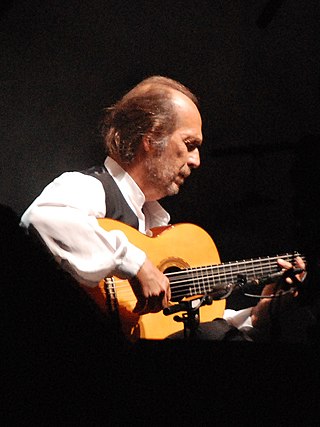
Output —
<point x="111" y="299"/>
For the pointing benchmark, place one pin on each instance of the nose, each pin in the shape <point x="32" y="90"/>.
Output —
<point x="194" y="158"/>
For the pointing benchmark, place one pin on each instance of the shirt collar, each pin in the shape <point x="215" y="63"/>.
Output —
<point x="153" y="214"/>
<point x="127" y="185"/>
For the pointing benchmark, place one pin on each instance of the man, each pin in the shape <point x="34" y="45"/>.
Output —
<point x="152" y="136"/>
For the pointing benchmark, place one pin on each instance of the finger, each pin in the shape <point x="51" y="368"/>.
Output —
<point x="296" y="277"/>
<point x="150" y="305"/>
<point x="284" y="264"/>
<point x="153" y="305"/>
<point x="167" y="298"/>
<point x="156" y="303"/>
<point x="300" y="263"/>
<point x="140" y="305"/>
<point x="299" y="260"/>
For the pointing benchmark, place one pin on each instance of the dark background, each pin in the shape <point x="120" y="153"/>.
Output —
<point x="254" y="65"/>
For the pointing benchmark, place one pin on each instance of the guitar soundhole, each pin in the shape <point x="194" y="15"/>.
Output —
<point x="173" y="269"/>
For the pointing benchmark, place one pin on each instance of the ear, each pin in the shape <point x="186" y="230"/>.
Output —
<point x="146" y="143"/>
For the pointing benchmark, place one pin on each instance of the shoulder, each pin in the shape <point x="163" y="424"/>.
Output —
<point x="74" y="178"/>
<point x="74" y="181"/>
<point x="74" y="189"/>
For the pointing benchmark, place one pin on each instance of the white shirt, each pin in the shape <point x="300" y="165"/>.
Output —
<point x="65" y="215"/>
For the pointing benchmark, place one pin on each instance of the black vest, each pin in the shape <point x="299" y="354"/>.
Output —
<point x="116" y="205"/>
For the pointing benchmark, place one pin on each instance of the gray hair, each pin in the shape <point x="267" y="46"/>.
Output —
<point x="146" y="110"/>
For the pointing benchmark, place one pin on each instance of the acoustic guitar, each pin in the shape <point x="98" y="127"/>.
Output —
<point x="189" y="257"/>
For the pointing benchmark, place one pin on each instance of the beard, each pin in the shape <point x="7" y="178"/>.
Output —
<point x="162" y="176"/>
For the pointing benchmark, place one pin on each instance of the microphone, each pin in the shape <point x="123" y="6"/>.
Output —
<point x="267" y="280"/>
<point x="258" y="284"/>
<point x="194" y="304"/>
<point x="272" y="278"/>
<point x="175" y="308"/>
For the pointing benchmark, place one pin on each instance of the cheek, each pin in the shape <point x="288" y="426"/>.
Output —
<point x="175" y="156"/>
<point x="180" y="154"/>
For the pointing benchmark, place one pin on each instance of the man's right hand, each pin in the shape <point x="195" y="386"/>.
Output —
<point x="151" y="288"/>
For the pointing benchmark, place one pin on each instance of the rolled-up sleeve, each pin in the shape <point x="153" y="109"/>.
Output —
<point x="65" y="216"/>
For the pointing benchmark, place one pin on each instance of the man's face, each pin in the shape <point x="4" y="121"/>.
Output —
<point x="168" y="169"/>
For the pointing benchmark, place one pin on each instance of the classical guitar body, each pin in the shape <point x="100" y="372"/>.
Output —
<point x="171" y="248"/>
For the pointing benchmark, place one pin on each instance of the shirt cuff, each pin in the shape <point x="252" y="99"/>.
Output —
<point x="239" y="318"/>
<point x="131" y="262"/>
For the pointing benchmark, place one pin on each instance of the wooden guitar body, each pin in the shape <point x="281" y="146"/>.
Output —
<point x="175" y="247"/>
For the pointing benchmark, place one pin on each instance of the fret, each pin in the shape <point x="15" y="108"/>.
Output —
<point x="262" y="272"/>
<point x="238" y="268"/>
<point x="201" y="284"/>
<point x="203" y="280"/>
<point x="192" y="287"/>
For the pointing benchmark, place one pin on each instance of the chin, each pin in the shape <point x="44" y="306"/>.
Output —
<point x="173" y="190"/>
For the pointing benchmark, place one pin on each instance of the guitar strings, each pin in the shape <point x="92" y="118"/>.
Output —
<point x="185" y="274"/>
<point x="192" y="278"/>
<point x="198" y="278"/>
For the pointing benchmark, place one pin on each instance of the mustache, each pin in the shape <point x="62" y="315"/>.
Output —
<point x="185" y="173"/>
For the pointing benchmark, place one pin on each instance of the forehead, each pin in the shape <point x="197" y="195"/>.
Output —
<point x="184" y="105"/>
<point x="187" y="113"/>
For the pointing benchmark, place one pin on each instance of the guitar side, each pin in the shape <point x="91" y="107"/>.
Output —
<point x="174" y="247"/>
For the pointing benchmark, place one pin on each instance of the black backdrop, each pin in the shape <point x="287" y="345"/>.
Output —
<point x="254" y="65"/>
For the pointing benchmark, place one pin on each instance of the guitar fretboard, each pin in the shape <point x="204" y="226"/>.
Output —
<point x="207" y="279"/>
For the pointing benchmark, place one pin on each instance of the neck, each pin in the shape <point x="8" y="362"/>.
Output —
<point x="138" y="173"/>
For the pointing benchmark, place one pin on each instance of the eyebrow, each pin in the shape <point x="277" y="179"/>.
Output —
<point x="193" y="140"/>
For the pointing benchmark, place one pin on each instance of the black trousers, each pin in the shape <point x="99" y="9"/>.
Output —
<point x="217" y="330"/>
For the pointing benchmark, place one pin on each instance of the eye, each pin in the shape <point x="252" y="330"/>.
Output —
<point x="192" y="144"/>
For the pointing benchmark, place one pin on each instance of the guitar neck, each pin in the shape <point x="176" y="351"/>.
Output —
<point x="208" y="279"/>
